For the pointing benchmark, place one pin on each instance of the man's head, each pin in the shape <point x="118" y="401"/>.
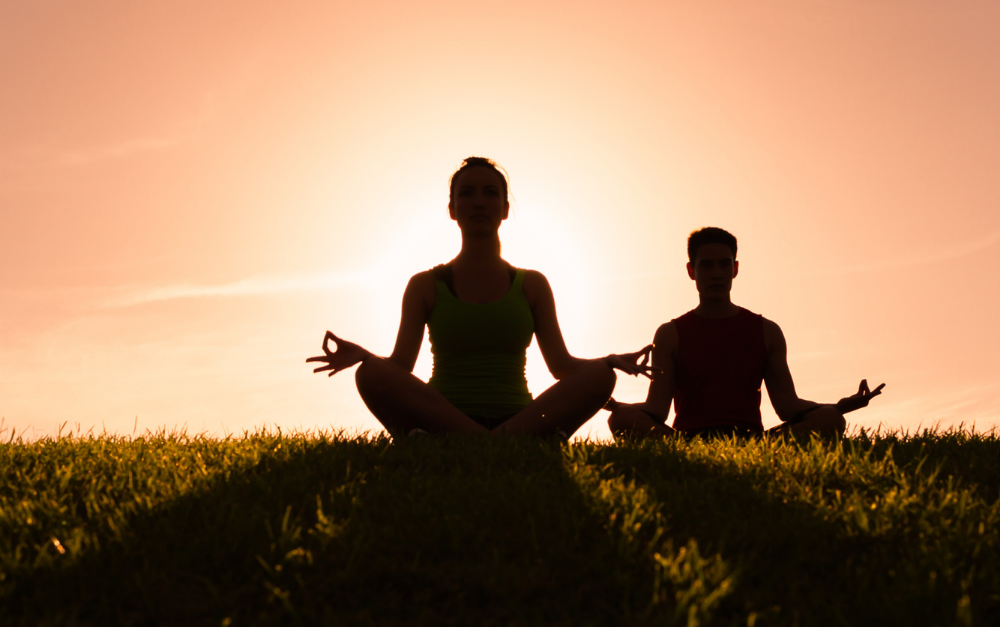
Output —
<point x="712" y="262"/>
<point x="709" y="235"/>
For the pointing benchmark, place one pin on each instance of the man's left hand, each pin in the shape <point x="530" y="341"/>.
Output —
<point x="859" y="400"/>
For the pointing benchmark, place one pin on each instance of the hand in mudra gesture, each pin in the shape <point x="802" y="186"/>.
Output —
<point x="633" y="363"/>
<point x="859" y="400"/>
<point x="346" y="355"/>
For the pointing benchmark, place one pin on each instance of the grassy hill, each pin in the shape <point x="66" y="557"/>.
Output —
<point x="272" y="528"/>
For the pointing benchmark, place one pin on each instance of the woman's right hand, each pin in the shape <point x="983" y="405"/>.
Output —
<point x="346" y="355"/>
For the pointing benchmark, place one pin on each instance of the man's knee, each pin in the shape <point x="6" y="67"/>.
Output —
<point x="623" y="428"/>
<point x="626" y="422"/>
<point x="825" y="420"/>
<point x="617" y="423"/>
<point x="837" y="422"/>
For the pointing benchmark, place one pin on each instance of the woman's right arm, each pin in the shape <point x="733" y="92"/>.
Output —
<point x="418" y="301"/>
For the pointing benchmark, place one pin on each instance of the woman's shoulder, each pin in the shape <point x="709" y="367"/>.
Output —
<point x="422" y="283"/>
<point x="420" y="295"/>
<point x="424" y="275"/>
<point x="535" y="286"/>
<point x="534" y="280"/>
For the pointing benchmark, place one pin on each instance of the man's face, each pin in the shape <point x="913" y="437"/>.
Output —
<point x="713" y="270"/>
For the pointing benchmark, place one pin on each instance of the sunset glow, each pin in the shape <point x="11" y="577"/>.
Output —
<point x="191" y="193"/>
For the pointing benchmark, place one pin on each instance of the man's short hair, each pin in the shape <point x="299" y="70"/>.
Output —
<point x="710" y="235"/>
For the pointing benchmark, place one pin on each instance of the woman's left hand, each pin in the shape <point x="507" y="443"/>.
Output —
<point x="633" y="363"/>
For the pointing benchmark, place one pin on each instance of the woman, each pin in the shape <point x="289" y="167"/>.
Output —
<point x="481" y="313"/>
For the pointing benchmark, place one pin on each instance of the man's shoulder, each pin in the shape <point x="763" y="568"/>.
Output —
<point x="666" y="330"/>
<point x="665" y="341"/>
<point x="684" y="316"/>
<point x="770" y="325"/>
<point x="771" y="328"/>
<point x="773" y="337"/>
<point x="743" y="311"/>
<point x="693" y="317"/>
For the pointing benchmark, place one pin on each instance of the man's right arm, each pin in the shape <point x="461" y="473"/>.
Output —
<point x="661" y="387"/>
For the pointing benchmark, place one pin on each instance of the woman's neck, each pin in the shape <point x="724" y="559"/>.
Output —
<point x="479" y="274"/>
<point x="479" y="251"/>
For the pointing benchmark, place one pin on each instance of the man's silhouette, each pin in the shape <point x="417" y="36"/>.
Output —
<point x="711" y="361"/>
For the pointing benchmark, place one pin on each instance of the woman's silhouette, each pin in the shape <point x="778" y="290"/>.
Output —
<point x="481" y="313"/>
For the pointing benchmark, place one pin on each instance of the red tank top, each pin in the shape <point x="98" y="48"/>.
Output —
<point x="719" y="370"/>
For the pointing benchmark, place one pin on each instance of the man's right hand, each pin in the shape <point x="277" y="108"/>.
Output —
<point x="633" y="363"/>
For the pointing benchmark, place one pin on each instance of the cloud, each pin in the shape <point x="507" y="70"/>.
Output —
<point x="184" y="130"/>
<point x="254" y="286"/>
<point x="947" y="253"/>
<point x="122" y="149"/>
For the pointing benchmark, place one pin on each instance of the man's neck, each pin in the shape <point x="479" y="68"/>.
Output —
<point x="716" y="308"/>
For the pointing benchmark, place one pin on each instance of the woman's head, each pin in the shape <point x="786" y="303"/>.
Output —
<point x="477" y="162"/>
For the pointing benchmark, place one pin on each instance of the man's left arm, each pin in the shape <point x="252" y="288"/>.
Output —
<point x="781" y="388"/>
<point x="778" y="378"/>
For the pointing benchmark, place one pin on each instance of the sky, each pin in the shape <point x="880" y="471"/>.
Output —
<point x="192" y="193"/>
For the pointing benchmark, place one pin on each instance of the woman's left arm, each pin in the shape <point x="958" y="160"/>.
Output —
<point x="550" y="340"/>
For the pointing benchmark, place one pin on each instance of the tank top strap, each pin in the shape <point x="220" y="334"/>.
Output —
<point x="445" y="283"/>
<point x="517" y="285"/>
<point x="441" y="274"/>
<point x="443" y="293"/>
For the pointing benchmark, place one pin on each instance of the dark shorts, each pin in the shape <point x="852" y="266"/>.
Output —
<point x="744" y="433"/>
<point x="728" y="431"/>
<point x="492" y="422"/>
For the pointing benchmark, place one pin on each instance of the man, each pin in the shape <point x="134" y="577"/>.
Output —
<point x="711" y="361"/>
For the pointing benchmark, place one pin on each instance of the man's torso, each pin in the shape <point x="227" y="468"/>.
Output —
<point x="718" y="371"/>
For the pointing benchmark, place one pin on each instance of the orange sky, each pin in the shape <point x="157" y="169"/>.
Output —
<point x="192" y="192"/>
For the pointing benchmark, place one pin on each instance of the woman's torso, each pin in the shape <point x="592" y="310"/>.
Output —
<point x="479" y="349"/>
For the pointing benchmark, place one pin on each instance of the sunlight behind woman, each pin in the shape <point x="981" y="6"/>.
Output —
<point x="480" y="314"/>
<point x="533" y="236"/>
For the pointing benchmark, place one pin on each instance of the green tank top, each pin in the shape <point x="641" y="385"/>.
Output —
<point x="479" y="352"/>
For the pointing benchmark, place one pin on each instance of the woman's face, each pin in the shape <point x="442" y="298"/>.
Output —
<point x="480" y="203"/>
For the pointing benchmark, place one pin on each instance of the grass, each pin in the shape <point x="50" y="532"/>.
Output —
<point x="272" y="528"/>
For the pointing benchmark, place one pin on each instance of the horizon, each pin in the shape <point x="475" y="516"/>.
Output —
<point x="192" y="195"/>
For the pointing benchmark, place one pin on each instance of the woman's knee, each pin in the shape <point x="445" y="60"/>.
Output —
<point x="601" y="378"/>
<point x="370" y="376"/>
